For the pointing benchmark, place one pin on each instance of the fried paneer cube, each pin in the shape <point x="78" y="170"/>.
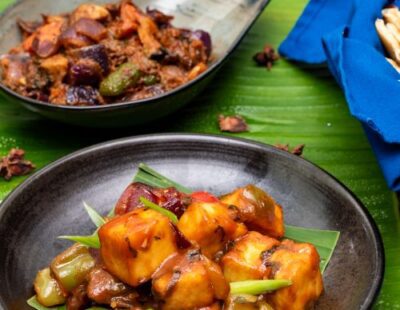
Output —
<point x="298" y="262"/>
<point x="134" y="245"/>
<point x="245" y="261"/>
<point x="257" y="210"/>
<point x="210" y="226"/>
<point x="189" y="281"/>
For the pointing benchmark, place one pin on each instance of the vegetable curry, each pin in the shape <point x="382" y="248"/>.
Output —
<point x="98" y="55"/>
<point x="164" y="249"/>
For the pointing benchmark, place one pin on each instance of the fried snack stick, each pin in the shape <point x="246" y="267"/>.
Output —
<point x="394" y="31"/>
<point x="392" y="16"/>
<point x="388" y="40"/>
<point x="394" y="64"/>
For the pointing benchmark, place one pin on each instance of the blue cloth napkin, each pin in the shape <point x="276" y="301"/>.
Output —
<point x="342" y="33"/>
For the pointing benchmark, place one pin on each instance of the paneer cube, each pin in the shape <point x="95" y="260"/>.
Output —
<point x="210" y="226"/>
<point x="257" y="210"/>
<point x="298" y="262"/>
<point x="134" y="245"/>
<point x="245" y="261"/>
<point x="189" y="281"/>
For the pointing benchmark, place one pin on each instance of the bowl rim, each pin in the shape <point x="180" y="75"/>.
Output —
<point x="376" y="286"/>
<point x="111" y="106"/>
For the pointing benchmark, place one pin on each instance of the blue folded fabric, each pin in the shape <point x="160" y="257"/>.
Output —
<point x="342" y="33"/>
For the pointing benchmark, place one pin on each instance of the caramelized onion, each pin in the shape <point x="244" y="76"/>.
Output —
<point x="90" y="10"/>
<point x="71" y="39"/>
<point x="46" y="42"/>
<point x="204" y="37"/>
<point x="82" y="95"/>
<point x="91" y="29"/>
<point x="85" y="72"/>
<point x="28" y="27"/>
<point x="96" y="52"/>
<point x="128" y="23"/>
<point x="159" y="17"/>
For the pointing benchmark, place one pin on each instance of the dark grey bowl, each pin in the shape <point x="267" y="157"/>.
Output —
<point x="227" y="22"/>
<point x="49" y="204"/>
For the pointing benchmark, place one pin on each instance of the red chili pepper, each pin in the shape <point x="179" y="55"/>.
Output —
<point x="204" y="197"/>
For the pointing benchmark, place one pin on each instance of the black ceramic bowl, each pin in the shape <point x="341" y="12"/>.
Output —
<point x="49" y="204"/>
<point x="227" y="23"/>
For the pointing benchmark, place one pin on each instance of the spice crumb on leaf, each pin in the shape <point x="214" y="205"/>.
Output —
<point x="297" y="150"/>
<point x="267" y="57"/>
<point x="233" y="123"/>
<point x="14" y="164"/>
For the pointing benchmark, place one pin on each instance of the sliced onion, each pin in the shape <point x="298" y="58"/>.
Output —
<point x="91" y="29"/>
<point x="205" y="38"/>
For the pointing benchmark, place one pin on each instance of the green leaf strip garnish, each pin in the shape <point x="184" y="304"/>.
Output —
<point x="258" y="287"/>
<point x="91" y="241"/>
<point x="35" y="304"/>
<point x="147" y="203"/>
<point x="96" y="218"/>
<point x="151" y="177"/>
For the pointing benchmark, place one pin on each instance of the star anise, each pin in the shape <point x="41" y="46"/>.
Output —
<point x="267" y="57"/>
<point x="297" y="150"/>
<point x="14" y="164"/>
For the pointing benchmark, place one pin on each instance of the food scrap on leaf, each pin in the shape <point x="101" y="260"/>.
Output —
<point x="234" y="124"/>
<point x="14" y="164"/>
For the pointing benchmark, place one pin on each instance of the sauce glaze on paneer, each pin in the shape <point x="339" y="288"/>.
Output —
<point x="298" y="262"/>
<point x="257" y="210"/>
<point x="245" y="261"/>
<point x="189" y="281"/>
<point x="210" y="226"/>
<point x="134" y="245"/>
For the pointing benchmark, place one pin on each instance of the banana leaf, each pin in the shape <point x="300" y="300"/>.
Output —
<point x="290" y="104"/>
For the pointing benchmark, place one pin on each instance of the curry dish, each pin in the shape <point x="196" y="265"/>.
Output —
<point x="103" y="54"/>
<point x="185" y="253"/>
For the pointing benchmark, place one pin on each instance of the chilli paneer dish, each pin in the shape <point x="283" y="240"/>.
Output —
<point x="102" y="54"/>
<point x="164" y="249"/>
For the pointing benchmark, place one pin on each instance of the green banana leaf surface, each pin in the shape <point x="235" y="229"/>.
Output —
<point x="292" y="103"/>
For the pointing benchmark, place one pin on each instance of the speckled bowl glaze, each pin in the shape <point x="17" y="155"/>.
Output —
<point x="49" y="204"/>
<point x="227" y="22"/>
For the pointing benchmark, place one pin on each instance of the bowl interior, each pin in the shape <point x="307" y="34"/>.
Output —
<point x="49" y="204"/>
